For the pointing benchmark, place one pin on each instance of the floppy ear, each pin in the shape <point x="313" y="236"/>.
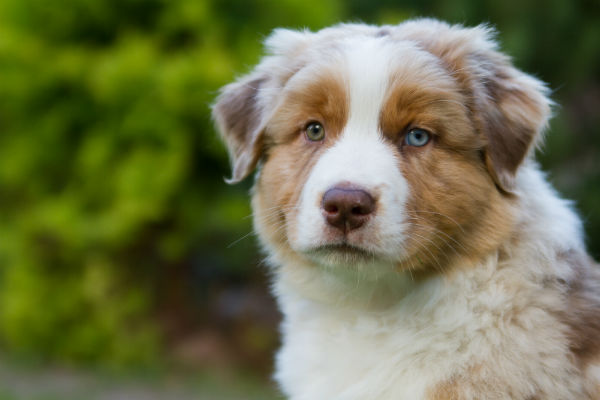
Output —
<point x="239" y="117"/>
<point x="243" y="108"/>
<point x="511" y="110"/>
<point x="508" y="107"/>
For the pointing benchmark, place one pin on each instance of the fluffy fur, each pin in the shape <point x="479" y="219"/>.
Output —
<point x="470" y="279"/>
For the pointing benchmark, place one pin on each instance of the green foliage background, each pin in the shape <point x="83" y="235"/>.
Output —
<point x="114" y="218"/>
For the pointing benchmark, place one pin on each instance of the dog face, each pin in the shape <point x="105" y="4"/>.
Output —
<point x="392" y="147"/>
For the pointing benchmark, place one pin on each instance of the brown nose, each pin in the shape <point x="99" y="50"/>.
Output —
<point x="347" y="208"/>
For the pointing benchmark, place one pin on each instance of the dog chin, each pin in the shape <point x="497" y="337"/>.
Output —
<point x="344" y="255"/>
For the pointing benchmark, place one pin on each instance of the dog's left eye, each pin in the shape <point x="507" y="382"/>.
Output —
<point x="315" y="131"/>
<point x="417" y="137"/>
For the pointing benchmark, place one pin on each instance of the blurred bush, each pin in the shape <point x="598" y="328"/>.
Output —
<point x="114" y="218"/>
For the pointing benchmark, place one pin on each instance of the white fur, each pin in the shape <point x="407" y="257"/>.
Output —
<point x="594" y="373"/>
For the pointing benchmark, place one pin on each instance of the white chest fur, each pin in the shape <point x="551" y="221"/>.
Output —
<point x="485" y="318"/>
<point x="334" y="354"/>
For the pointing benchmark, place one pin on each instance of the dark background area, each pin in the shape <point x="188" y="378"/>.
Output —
<point x="121" y="247"/>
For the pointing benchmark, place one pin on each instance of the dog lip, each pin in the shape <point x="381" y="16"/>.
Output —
<point x="342" y="247"/>
<point x="342" y="253"/>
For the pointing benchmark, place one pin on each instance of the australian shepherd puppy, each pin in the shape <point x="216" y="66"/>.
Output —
<point x="417" y="250"/>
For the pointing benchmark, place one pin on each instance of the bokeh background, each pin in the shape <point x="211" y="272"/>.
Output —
<point x="127" y="266"/>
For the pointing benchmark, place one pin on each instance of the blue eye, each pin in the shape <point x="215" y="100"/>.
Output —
<point x="417" y="137"/>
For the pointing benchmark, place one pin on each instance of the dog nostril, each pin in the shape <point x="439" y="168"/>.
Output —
<point x="331" y="208"/>
<point x="360" y="211"/>
<point x="347" y="208"/>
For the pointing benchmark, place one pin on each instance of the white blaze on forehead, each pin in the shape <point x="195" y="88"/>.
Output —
<point x="361" y="157"/>
<point x="368" y="68"/>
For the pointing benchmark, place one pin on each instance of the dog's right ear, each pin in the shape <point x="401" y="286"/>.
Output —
<point x="239" y="117"/>
<point x="243" y="108"/>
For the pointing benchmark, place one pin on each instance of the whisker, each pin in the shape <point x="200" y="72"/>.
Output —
<point x="437" y="232"/>
<point x="440" y="214"/>
<point x="268" y="220"/>
<point x="273" y="210"/>
<point x="433" y="258"/>
<point x="240" y="239"/>
<point x="412" y="265"/>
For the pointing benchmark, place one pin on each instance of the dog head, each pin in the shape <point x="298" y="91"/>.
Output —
<point x="394" y="145"/>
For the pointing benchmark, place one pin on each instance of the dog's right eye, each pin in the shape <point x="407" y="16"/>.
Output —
<point x="315" y="132"/>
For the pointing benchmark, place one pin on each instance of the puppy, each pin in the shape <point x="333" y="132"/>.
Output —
<point x="417" y="250"/>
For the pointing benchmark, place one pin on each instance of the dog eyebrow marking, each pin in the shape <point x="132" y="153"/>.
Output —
<point x="311" y="95"/>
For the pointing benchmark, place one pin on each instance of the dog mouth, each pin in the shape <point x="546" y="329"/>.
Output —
<point x="341" y="253"/>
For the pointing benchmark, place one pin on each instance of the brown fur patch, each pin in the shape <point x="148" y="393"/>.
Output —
<point x="448" y="390"/>
<point x="475" y="379"/>
<point x="582" y="315"/>
<point x="322" y="99"/>
<point x="289" y="155"/>
<point x="453" y="209"/>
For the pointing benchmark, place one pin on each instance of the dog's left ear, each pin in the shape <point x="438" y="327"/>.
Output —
<point x="510" y="108"/>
